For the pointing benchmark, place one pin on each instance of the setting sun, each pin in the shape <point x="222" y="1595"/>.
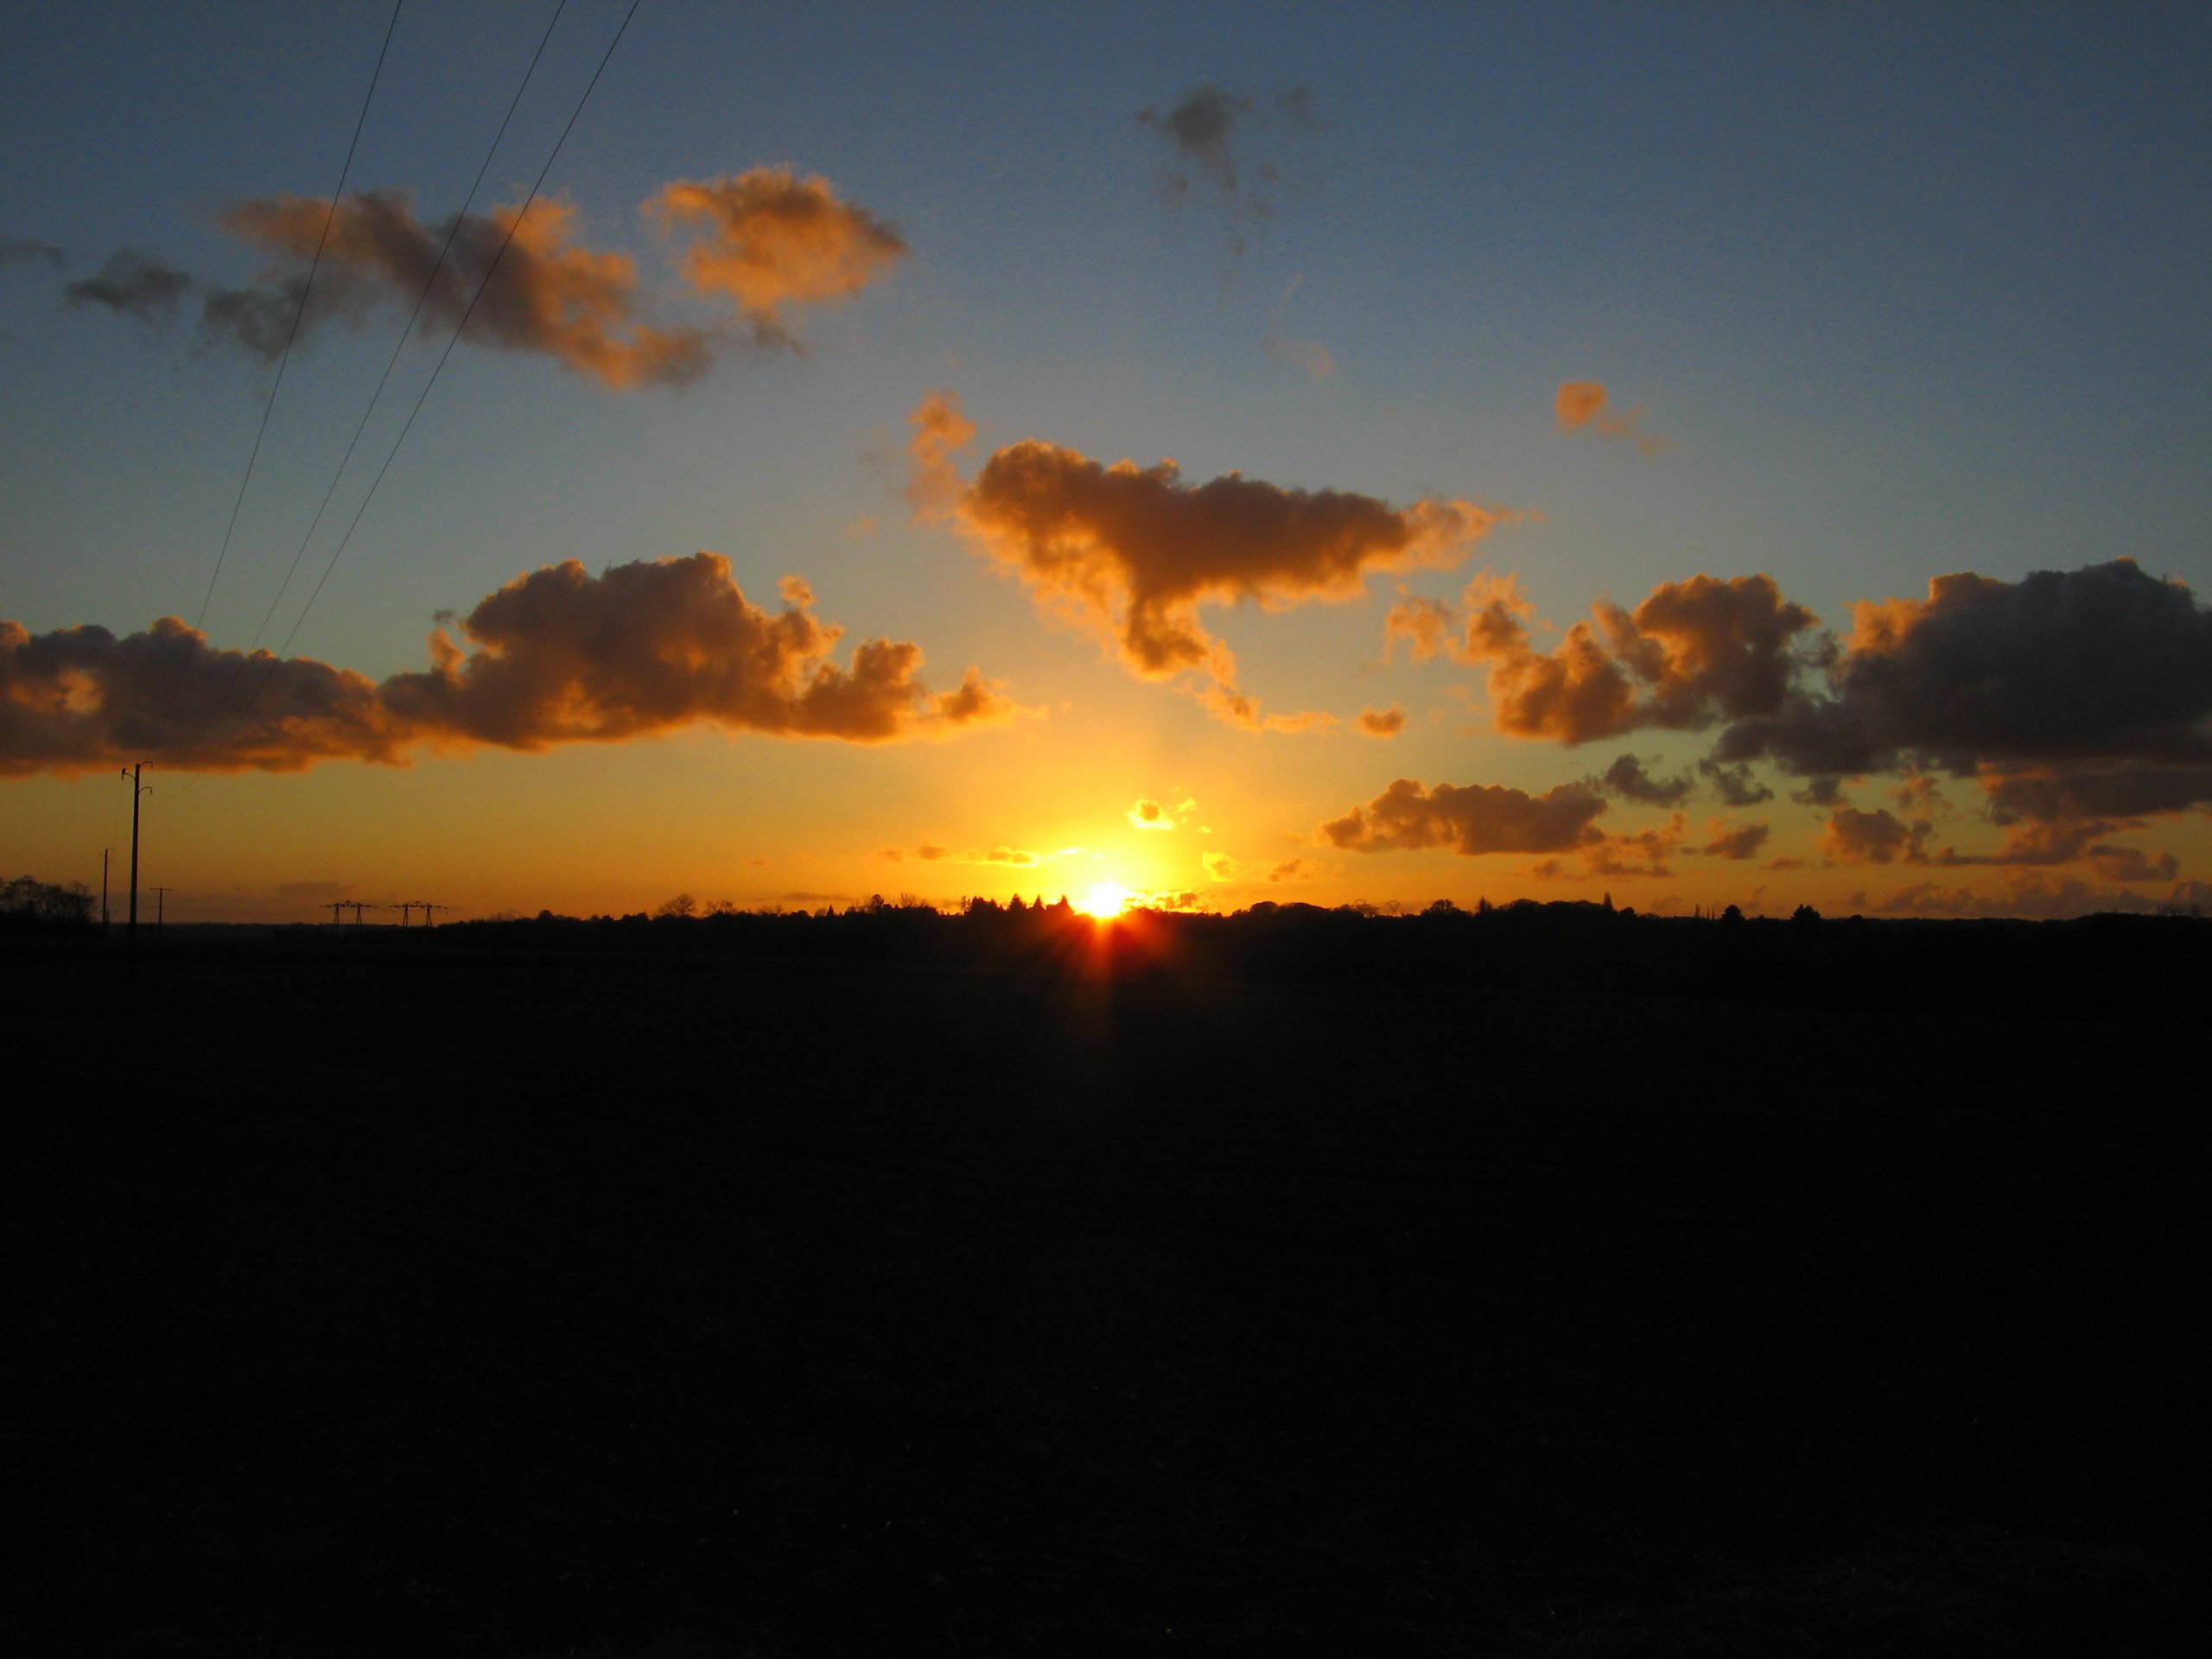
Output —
<point x="1106" y="900"/>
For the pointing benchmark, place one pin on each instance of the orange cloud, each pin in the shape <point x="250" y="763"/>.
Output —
<point x="1693" y="652"/>
<point x="1644" y="852"/>
<point x="1878" y="837"/>
<point x="1580" y="407"/>
<point x="774" y="240"/>
<point x="559" y="656"/>
<point x="1149" y="814"/>
<point x="1471" y="820"/>
<point x="765" y="241"/>
<point x="1220" y="866"/>
<point x="1734" y="841"/>
<point x="2098" y="682"/>
<point x="1382" y="722"/>
<point x="1132" y="553"/>
<point x="578" y="305"/>
<point x="941" y="431"/>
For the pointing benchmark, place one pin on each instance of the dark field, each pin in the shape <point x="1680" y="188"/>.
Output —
<point x="365" y="1303"/>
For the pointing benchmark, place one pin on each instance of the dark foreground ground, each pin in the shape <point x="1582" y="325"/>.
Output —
<point x="688" y="1307"/>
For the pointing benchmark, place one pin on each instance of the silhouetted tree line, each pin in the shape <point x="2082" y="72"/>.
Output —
<point x="2112" y="965"/>
<point x="26" y="904"/>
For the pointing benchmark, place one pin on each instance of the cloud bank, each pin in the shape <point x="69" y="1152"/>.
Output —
<point x="2080" y="701"/>
<point x="557" y="656"/>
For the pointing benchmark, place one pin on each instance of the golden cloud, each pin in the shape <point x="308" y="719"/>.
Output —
<point x="1133" y="553"/>
<point x="1581" y="405"/>
<point x="559" y="656"/>
<point x="1472" y="819"/>
<point x="1382" y="722"/>
<point x="579" y="306"/>
<point x="773" y="240"/>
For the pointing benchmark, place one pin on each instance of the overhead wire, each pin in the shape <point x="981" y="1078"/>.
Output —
<point x="277" y="657"/>
<point x="284" y="360"/>
<point x="398" y="347"/>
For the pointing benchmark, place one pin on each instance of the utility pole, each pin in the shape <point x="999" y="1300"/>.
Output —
<point x="405" y="906"/>
<point x="336" y="904"/>
<point x="160" y="895"/>
<point x="357" y="906"/>
<point x="136" y="789"/>
<point x="430" y="912"/>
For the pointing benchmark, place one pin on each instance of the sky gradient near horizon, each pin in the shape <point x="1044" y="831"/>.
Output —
<point x="1461" y="327"/>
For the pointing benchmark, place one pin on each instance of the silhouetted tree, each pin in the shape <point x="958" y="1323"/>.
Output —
<point x="683" y="905"/>
<point x="28" y="903"/>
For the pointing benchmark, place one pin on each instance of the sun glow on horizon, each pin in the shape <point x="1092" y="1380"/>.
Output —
<point x="1105" y="901"/>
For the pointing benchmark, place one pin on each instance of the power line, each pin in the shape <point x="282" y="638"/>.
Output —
<point x="490" y="271"/>
<point x="398" y="347"/>
<point x="270" y="408"/>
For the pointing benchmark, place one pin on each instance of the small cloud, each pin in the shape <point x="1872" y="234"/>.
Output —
<point x="1149" y="814"/>
<point x="1382" y="722"/>
<point x="1580" y="407"/>
<point x="133" y="283"/>
<point x="772" y="240"/>
<point x="1734" y="841"/>
<point x="28" y="251"/>
<point x="1627" y="779"/>
<point x="1210" y="157"/>
<point x="861" y="528"/>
